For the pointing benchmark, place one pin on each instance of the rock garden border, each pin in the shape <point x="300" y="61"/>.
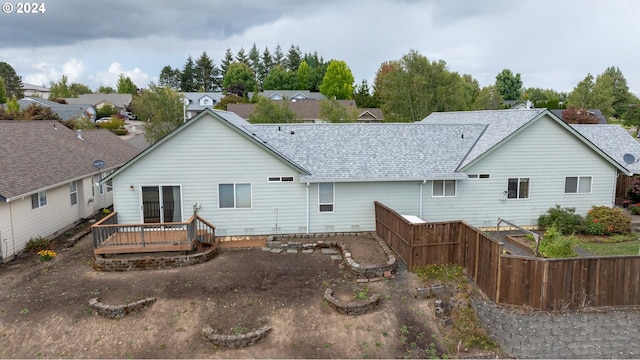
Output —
<point x="357" y="307"/>
<point x="237" y="340"/>
<point x="149" y="262"/>
<point x="119" y="311"/>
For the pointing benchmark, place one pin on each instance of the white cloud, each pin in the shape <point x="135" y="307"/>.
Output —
<point x="45" y="73"/>
<point x="110" y="77"/>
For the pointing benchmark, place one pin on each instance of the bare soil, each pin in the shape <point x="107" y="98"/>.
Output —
<point x="45" y="313"/>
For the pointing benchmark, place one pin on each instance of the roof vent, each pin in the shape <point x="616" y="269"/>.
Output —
<point x="80" y="134"/>
<point x="54" y="127"/>
<point x="292" y="132"/>
<point x="279" y="128"/>
<point x="462" y="137"/>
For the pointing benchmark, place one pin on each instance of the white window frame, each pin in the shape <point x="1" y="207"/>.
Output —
<point x="277" y="179"/>
<point x="40" y="199"/>
<point x="442" y="184"/>
<point x="235" y="195"/>
<point x="325" y="203"/>
<point x="73" y="192"/>
<point x="578" y="181"/>
<point x="479" y="176"/>
<point x="517" y="195"/>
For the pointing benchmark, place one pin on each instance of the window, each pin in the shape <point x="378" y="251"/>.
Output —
<point x="325" y="197"/>
<point x="280" y="178"/>
<point x="109" y="186"/>
<point x="73" y="192"/>
<point x="479" y="176"/>
<point x="39" y="200"/>
<point x="577" y="184"/>
<point x="444" y="188"/>
<point x="234" y="196"/>
<point x="518" y="188"/>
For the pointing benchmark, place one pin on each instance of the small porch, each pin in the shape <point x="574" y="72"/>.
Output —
<point x="109" y="237"/>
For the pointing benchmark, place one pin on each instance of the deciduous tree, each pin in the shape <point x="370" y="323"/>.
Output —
<point x="489" y="98"/>
<point x="106" y="90"/>
<point x="572" y="115"/>
<point x="229" y="99"/>
<point x="334" y="112"/>
<point x="60" y="89"/>
<point x="509" y="85"/>
<point x="303" y="76"/>
<point x="267" y="111"/>
<point x="3" y="92"/>
<point x="126" y="86"/>
<point x="161" y="108"/>
<point x="239" y="74"/>
<point x="79" y="89"/>
<point x="338" y="81"/>
<point x="280" y="79"/>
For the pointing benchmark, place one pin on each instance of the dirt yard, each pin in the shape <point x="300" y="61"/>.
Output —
<point x="45" y="313"/>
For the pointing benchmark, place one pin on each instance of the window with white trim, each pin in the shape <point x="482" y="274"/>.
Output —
<point x="280" y="179"/>
<point x="73" y="192"/>
<point x="577" y="184"/>
<point x="518" y="188"/>
<point x="234" y="196"/>
<point x="326" y="197"/>
<point x="39" y="200"/>
<point x="479" y="176"/>
<point x="443" y="188"/>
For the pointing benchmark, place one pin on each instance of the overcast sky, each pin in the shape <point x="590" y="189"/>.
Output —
<point x="552" y="44"/>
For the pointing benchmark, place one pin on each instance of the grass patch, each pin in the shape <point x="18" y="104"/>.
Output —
<point x="612" y="248"/>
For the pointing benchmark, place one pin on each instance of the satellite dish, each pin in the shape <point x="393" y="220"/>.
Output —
<point x="629" y="159"/>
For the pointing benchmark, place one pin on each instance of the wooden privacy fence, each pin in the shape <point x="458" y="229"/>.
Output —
<point x="536" y="282"/>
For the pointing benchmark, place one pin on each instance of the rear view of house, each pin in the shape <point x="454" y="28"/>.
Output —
<point x="48" y="177"/>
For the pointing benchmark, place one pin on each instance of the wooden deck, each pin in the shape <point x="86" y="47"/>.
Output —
<point x="112" y="238"/>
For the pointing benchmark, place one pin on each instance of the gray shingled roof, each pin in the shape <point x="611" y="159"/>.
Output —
<point x="501" y="124"/>
<point x="194" y="99"/>
<point x="118" y="100"/>
<point x="373" y="152"/>
<point x="64" y="111"/>
<point x="613" y="140"/>
<point x="40" y="154"/>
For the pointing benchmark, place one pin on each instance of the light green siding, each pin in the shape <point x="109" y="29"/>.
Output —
<point x="546" y="153"/>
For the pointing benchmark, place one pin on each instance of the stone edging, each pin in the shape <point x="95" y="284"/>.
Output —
<point x="153" y="262"/>
<point x="240" y="340"/>
<point x="119" y="311"/>
<point x="351" y="307"/>
<point x="367" y="272"/>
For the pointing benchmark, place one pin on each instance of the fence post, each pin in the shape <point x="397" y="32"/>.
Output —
<point x="545" y="286"/>
<point x="498" y="276"/>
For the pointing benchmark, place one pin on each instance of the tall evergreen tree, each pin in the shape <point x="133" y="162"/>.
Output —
<point x="363" y="97"/>
<point x="188" y="76"/>
<point x="3" y="91"/>
<point x="205" y="73"/>
<point x="266" y="64"/>
<point x="254" y="62"/>
<point x="170" y="77"/>
<point x="224" y="64"/>
<point x="12" y="82"/>
<point x="278" y="56"/>
<point x="242" y="57"/>
<point x="294" y="57"/>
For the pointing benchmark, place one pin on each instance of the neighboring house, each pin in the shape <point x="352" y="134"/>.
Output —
<point x="35" y="90"/>
<point x="307" y="178"/>
<point x="47" y="181"/>
<point x="290" y="95"/>
<point x="308" y="111"/>
<point x="195" y="102"/>
<point x="120" y="102"/>
<point x="64" y="111"/>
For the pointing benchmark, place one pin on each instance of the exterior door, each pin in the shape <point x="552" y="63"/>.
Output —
<point x="161" y="203"/>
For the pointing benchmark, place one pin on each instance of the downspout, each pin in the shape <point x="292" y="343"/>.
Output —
<point x="308" y="209"/>
<point x="13" y="234"/>
<point x="308" y="220"/>
<point x="421" y="185"/>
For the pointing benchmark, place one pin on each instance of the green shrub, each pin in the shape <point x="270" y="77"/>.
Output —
<point x="37" y="244"/>
<point x="112" y="125"/>
<point x="634" y="209"/>
<point x="555" y="245"/>
<point x="603" y="220"/>
<point x="565" y="219"/>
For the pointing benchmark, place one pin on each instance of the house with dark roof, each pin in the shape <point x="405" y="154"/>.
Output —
<point x="121" y="102"/>
<point x="64" y="111"/>
<point x="478" y="166"/>
<point x="308" y="111"/>
<point x="49" y="176"/>
<point x="195" y="102"/>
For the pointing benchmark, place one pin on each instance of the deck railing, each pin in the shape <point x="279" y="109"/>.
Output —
<point x="107" y="233"/>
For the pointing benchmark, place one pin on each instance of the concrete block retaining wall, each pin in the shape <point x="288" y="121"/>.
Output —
<point x="119" y="311"/>
<point x="239" y="340"/>
<point x="143" y="262"/>
<point x="603" y="333"/>
<point x="351" y="307"/>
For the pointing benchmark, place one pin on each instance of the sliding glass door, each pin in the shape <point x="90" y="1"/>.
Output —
<point x="161" y="204"/>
